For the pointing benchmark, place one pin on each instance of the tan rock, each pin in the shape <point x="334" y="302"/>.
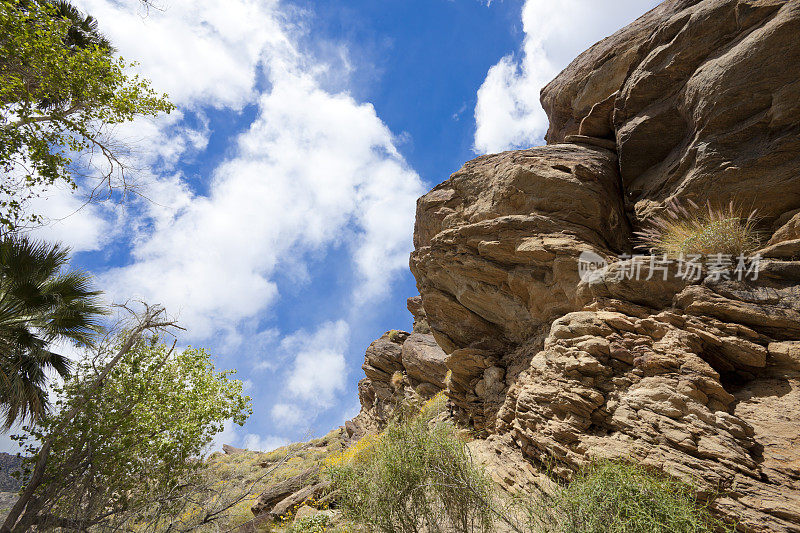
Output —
<point x="697" y="99"/>
<point x="703" y="96"/>
<point x="423" y="360"/>
<point x="502" y="260"/>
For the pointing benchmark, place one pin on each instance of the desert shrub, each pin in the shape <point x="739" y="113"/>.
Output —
<point x="413" y="477"/>
<point x="318" y="523"/>
<point x="614" y="497"/>
<point x="708" y="230"/>
<point x="434" y="407"/>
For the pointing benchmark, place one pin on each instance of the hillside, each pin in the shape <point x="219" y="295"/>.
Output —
<point x="8" y="465"/>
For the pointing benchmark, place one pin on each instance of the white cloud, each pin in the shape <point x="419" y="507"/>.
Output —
<point x="263" y="443"/>
<point x="71" y="221"/>
<point x="288" y="415"/>
<point x="508" y="113"/>
<point x="319" y="369"/>
<point x="198" y="51"/>
<point x="314" y="171"/>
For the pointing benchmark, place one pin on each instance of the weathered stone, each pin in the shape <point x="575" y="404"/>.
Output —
<point x="287" y="505"/>
<point x="423" y="360"/>
<point x="696" y="100"/>
<point x="267" y="501"/>
<point x="497" y="244"/>
<point x="232" y="450"/>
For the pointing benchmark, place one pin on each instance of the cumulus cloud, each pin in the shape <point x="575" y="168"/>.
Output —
<point x="316" y="170"/>
<point x="508" y="113"/>
<point x="201" y="52"/>
<point x="71" y="220"/>
<point x="263" y="443"/>
<point x="288" y="415"/>
<point x="318" y="370"/>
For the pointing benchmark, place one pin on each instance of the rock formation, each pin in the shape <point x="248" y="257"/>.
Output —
<point x="400" y="367"/>
<point x="696" y="100"/>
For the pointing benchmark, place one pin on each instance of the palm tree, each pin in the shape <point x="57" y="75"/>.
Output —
<point x="39" y="304"/>
<point x="83" y="31"/>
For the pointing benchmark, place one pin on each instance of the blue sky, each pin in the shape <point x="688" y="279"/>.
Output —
<point x="281" y="192"/>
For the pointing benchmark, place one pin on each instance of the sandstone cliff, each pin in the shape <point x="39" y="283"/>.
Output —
<point x="696" y="100"/>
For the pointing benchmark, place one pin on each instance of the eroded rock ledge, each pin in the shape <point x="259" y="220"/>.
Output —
<point x="696" y="100"/>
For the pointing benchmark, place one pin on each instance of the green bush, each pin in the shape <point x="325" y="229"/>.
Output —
<point x="613" y="497"/>
<point x="318" y="523"/>
<point x="415" y="476"/>
<point x="709" y="230"/>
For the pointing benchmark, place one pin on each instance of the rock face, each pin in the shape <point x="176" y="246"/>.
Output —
<point x="400" y="367"/>
<point x="697" y="100"/>
<point x="705" y="103"/>
<point x="496" y="244"/>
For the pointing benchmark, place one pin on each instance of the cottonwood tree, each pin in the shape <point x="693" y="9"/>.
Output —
<point x="126" y="440"/>
<point x="62" y="91"/>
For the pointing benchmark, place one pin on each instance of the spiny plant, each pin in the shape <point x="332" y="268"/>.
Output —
<point x="700" y="230"/>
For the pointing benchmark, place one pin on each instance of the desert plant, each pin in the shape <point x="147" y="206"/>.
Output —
<point x="616" y="497"/>
<point x="700" y="230"/>
<point x="318" y="523"/>
<point x="416" y="476"/>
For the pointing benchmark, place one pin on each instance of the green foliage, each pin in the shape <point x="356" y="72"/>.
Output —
<point x="39" y="304"/>
<point x="319" y="523"/>
<point x="60" y="90"/>
<point x="699" y="230"/>
<point x="393" y="334"/>
<point x="414" y="477"/>
<point x="138" y="439"/>
<point x="614" y="497"/>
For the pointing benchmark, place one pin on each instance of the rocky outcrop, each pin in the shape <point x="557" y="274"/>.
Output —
<point x="699" y="378"/>
<point x="281" y="496"/>
<point x="399" y="367"/>
<point x="496" y="244"/>
<point x="697" y="100"/>
<point x="705" y="103"/>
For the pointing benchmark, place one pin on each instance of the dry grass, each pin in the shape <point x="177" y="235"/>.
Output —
<point x="701" y="230"/>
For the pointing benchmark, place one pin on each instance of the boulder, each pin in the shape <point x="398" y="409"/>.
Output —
<point x="423" y="360"/>
<point x="705" y="107"/>
<point x="496" y="245"/>
<point x="278" y="492"/>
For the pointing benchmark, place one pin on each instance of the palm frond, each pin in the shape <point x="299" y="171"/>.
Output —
<point x="40" y="303"/>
